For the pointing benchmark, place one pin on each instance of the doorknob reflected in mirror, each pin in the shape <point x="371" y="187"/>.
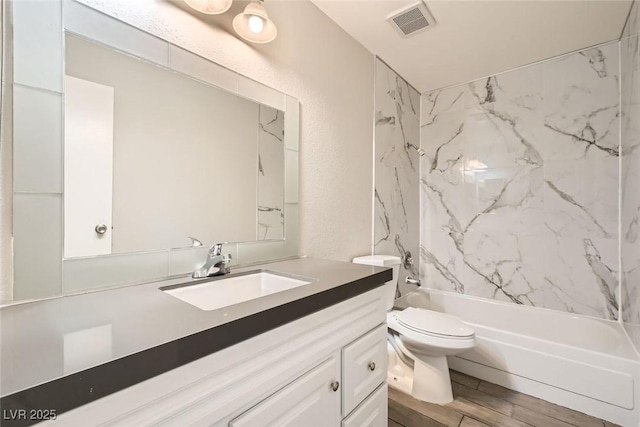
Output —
<point x="101" y="228"/>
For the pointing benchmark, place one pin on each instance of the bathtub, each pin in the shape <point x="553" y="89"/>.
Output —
<point x="579" y="362"/>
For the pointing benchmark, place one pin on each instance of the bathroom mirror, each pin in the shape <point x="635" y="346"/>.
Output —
<point x="125" y="144"/>
<point x="152" y="156"/>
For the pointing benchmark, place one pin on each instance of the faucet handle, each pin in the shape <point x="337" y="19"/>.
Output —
<point x="216" y="249"/>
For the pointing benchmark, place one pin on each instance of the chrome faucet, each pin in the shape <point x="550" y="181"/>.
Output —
<point x="217" y="264"/>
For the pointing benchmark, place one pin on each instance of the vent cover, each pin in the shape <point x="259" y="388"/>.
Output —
<point x="412" y="20"/>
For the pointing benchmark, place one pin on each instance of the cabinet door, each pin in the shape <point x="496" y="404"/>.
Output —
<point x="364" y="367"/>
<point x="308" y="401"/>
<point x="373" y="412"/>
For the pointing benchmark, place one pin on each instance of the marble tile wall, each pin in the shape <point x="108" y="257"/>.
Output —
<point x="270" y="174"/>
<point x="519" y="185"/>
<point x="397" y="166"/>
<point x="630" y="175"/>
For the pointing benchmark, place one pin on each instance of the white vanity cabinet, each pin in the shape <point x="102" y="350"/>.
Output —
<point x="314" y="399"/>
<point x="311" y="400"/>
<point x="364" y="367"/>
<point x="373" y="412"/>
<point x="324" y="369"/>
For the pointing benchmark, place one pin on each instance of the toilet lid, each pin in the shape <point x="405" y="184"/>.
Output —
<point x="434" y="323"/>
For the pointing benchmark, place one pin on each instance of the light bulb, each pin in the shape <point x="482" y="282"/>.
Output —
<point x="210" y="7"/>
<point x="256" y="25"/>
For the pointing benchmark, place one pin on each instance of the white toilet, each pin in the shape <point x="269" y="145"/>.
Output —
<point x="419" y="342"/>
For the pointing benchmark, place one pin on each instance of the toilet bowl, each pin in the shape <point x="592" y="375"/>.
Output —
<point x="419" y="342"/>
<point x="427" y="338"/>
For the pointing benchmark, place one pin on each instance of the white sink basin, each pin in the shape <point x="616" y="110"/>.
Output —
<point x="224" y="292"/>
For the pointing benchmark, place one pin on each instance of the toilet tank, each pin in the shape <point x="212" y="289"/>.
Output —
<point x="384" y="261"/>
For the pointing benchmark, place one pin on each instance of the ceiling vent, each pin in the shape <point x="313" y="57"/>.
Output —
<point x="412" y="20"/>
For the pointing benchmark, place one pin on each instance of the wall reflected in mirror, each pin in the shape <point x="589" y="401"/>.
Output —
<point x="153" y="156"/>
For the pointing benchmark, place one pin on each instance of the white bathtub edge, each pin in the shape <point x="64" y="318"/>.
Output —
<point x="626" y="333"/>
<point x="582" y="363"/>
<point x="568" y="399"/>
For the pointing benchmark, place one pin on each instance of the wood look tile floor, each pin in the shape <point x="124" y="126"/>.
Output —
<point x="480" y="404"/>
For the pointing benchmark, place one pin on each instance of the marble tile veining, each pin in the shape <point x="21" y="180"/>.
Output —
<point x="397" y="136"/>
<point x="519" y="185"/>
<point x="270" y="174"/>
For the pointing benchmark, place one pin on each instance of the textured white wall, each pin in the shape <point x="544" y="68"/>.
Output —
<point x="330" y="73"/>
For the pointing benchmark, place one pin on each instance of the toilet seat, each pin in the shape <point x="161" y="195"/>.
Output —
<point x="431" y="343"/>
<point x="433" y="323"/>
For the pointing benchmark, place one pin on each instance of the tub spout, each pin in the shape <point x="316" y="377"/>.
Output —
<point x="411" y="281"/>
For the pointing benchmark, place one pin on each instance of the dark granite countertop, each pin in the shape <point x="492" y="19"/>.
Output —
<point x="65" y="352"/>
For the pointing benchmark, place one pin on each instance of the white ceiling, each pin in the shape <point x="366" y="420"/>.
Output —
<point x="475" y="39"/>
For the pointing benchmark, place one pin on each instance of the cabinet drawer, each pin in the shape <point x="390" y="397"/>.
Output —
<point x="364" y="367"/>
<point x="373" y="412"/>
<point x="307" y="401"/>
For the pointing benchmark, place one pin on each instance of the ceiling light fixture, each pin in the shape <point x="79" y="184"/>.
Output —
<point x="210" y="7"/>
<point x="254" y="24"/>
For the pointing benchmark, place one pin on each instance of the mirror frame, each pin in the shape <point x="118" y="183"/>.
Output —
<point x="40" y="271"/>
